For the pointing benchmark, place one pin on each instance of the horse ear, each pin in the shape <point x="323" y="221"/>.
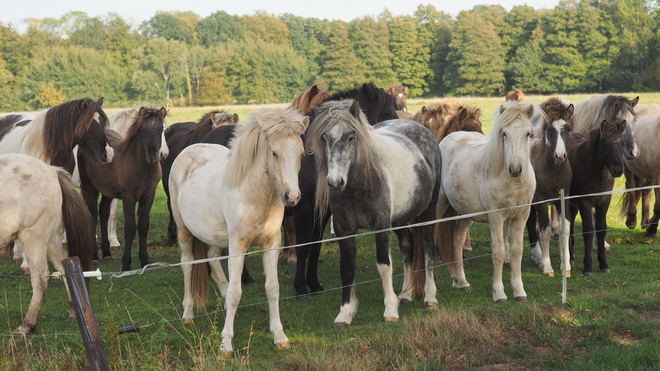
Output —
<point x="405" y="89"/>
<point x="634" y="102"/>
<point x="502" y="109"/>
<point x="163" y="112"/>
<point x="570" y="109"/>
<point x="355" y="110"/>
<point x="603" y="126"/>
<point x="99" y="102"/>
<point x="529" y="111"/>
<point x="424" y="110"/>
<point x="314" y="90"/>
<point x="622" y="126"/>
<point x="305" y="120"/>
<point x="462" y="114"/>
<point x="234" y="118"/>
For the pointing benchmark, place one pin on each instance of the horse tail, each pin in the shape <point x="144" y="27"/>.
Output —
<point x="78" y="223"/>
<point x="443" y="234"/>
<point x="200" y="273"/>
<point x="418" y="271"/>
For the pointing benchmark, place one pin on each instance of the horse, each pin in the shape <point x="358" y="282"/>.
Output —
<point x="38" y="203"/>
<point x="131" y="177"/>
<point x="596" y="159"/>
<point x="515" y="96"/>
<point x="235" y="198"/>
<point x="553" y="173"/>
<point x="376" y="178"/>
<point x="481" y="174"/>
<point x="377" y="105"/>
<point x="646" y="109"/>
<point x="179" y="136"/>
<point x="399" y="93"/>
<point x="643" y="171"/>
<point x="311" y="97"/>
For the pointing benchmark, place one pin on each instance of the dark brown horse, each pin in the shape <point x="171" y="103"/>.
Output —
<point x="399" y="94"/>
<point x="131" y="177"/>
<point x="179" y="136"/>
<point x="515" y="95"/>
<point x="553" y="173"/>
<point x="596" y="159"/>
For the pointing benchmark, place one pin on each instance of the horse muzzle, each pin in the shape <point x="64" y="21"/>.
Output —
<point x="291" y="198"/>
<point x="336" y="184"/>
<point x="108" y="155"/>
<point x="515" y="171"/>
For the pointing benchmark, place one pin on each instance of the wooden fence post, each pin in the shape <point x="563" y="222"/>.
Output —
<point x="89" y="329"/>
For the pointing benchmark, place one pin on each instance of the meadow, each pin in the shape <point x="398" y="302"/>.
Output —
<point x="610" y="321"/>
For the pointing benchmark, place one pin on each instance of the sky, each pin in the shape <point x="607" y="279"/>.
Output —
<point x="137" y="11"/>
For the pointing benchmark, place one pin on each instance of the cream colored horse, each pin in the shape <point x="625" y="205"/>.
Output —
<point x="236" y="198"/>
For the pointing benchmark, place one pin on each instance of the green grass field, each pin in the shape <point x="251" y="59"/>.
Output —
<point x="610" y="321"/>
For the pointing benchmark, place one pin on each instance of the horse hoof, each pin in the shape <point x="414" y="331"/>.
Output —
<point x="95" y="263"/>
<point x="107" y="257"/>
<point x="606" y="270"/>
<point x="467" y="248"/>
<point x="341" y="325"/>
<point x="522" y="299"/>
<point x="291" y="263"/>
<point x="391" y="319"/>
<point x="466" y="289"/>
<point x="500" y="301"/>
<point x="568" y="274"/>
<point x="507" y="261"/>
<point x="283" y="345"/>
<point x="188" y="320"/>
<point x="404" y="301"/>
<point x="550" y="274"/>
<point x="304" y="297"/>
<point x="588" y="274"/>
<point x="18" y="261"/>
<point x="225" y="355"/>
<point x="431" y="305"/>
<point x="26" y="271"/>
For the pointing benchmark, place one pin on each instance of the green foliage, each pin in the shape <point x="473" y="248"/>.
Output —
<point x="264" y="27"/>
<point x="340" y="67"/>
<point x="76" y="72"/>
<point x="411" y="55"/>
<point x="370" y="39"/>
<point x="220" y="27"/>
<point x="178" y="26"/>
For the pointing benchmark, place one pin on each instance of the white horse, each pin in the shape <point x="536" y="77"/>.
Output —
<point x="488" y="173"/>
<point x="236" y="198"/>
<point x="38" y="203"/>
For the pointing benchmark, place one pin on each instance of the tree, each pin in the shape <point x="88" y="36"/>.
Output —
<point x="370" y="39"/>
<point x="411" y="56"/>
<point x="308" y="37"/>
<point x="157" y="67"/>
<point x="262" y="26"/>
<point x="178" y="26"/>
<point x="528" y="70"/>
<point x="76" y="72"/>
<point x="476" y="58"/>
<point x="220" y="27"/>
<point x="434" y="30"/>
<point x="340" y="68"/>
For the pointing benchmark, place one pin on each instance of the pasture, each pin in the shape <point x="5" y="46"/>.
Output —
<point x="611" y="321"/>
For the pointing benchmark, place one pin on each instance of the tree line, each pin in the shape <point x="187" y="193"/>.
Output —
<point x="179" y="58"/>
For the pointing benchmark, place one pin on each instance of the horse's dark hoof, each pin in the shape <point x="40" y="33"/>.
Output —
<point x="304" y="297"/>
<point x="588" y="274"/>
<point x="107" y="257"/>
<point x="404" y="302"/>
<point x="291" y="263"/>
<point x="341" y="324"/>
<point x="95" y="263"/>
<point x="466" y="289"/>
<point x="522" y="299"/>
<point x="606" y="270"/>
<point x="500" y="301"/>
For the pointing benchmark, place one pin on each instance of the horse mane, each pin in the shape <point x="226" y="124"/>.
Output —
<point x="311" y="97"/>
<point x="61" y="127"/>
<point x="465" y="119"/>
<point x="596" y="109"/>
<point x="552" y="110"/>
<point x="140" y="116"/>
<point x="507" y="114"/>
<point x="329" y="114"/>
<point x="250" y="145"/>
<point x="374" y="101"/>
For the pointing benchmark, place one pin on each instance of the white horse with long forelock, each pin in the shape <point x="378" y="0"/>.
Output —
<point x="37" y="203"/>
<point x="489" y="173"/>
<point x="236" y="198"/>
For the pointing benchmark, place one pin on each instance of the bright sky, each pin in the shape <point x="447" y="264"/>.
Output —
<point x="137" y="11"/>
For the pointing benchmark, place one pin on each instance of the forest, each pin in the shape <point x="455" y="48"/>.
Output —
<point x="182" y="59"/>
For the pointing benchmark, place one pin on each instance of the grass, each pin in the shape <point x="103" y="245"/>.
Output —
<point x="611" y="321"/>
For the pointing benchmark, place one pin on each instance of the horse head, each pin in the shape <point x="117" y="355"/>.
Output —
<point x="612" y="141"/>
<point x="557" y="126"/>
<point x="93" y="140"/>
<point x="150" y="126"/>
<point x="399" y="94"/>
<point x="513" y="128"/>
<point x="224" y="118"/>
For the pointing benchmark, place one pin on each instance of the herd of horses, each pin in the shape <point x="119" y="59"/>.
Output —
<point x="348" y="155"/>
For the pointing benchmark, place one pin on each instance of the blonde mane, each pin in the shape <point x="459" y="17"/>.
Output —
<point x="328" y="115"/>
<point x="508" y="114"/>
<point x="34" y="137"/>
<point x="251" y="144"/>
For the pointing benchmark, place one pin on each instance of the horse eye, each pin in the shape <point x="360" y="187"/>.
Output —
<point x="529" y="135"/>
<point x="504" y="135"/>
<point x="275" y="155"/>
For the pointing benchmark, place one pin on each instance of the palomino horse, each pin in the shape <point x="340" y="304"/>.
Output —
<point x="399" y="93"/>
<point x="553" y="173"/>
<point x="236" y="198"/>
<point x="515" y="96"/>
<point x="365" y="176"/>
<point x="131" y="177"/>
<point x="493" y="173"/>
<point x="644" y="170"/>
<point x="37" y="203"/>
<point x="596" y="159"/>
<point x="179" y="136"/>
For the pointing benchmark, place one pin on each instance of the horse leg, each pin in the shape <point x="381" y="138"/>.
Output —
<point x="588" y="236"/>
<point x="601" y="230"/>
<point x="424" y="236"/>
<point x="554" y="220"/>
<point x="186" y="246"/>
<point x="129" y="233"/>
<point x="631" y="198"/>
<point x="91" y="197"/>
<point x="571" y="234"/>
<point x="56" y="255"/>
<point x="112" y="225"/>
<point x="565" y="253"/>
<point x="104" y="214"/>
<point x="216" y="270"/>
<point x="652" y="228"/>
<point x="234" y="292"/>
<point x="171" y="225"/>
<point x="272" y="286"/>
<point x="545" y="232"/>
<point x="348" y="307"/>
<point x="496" y="222"/>
<point x="462" y="225"/>
<point x="405" y="245"/>
<point x="517" y="234"/>
<point x="533" y="233"/>
<point x="144" y="208"/>
<point x="646" y="207"/>
<point x="33" y="241"/>
<point x="289" y="225"/>
<point x="384" y="263"/>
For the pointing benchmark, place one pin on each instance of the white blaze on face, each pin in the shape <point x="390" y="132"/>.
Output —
<point x="560" y="149"/>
